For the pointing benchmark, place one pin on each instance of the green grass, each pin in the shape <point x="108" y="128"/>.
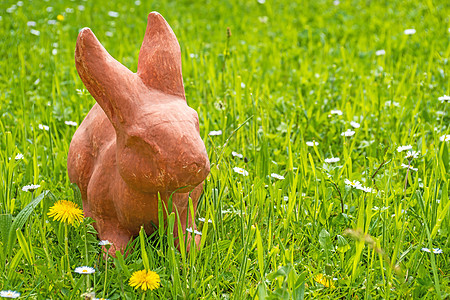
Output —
<point x="270" y="88"/>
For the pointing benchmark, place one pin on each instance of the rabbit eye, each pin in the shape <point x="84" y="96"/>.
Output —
<point x="141" y="144"/>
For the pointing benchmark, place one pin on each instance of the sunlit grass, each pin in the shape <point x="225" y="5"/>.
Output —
<point x="307" y="110"/>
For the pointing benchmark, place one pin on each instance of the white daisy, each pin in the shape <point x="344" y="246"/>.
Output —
<point x="35" y="32"/>
<point x="366" y="189"/>
<point x="445" y="138"/>
<point x="409" y="31"/>
<point x="30" y="188"/>
<point x="349" y="132"/>
<point x="11" y="9"/>
<point x="393" y="103"/>
<point x="80" y="7"/>
<point x="409" y="167"/>
<point x="355" y="184"/>
<point x="215" y="132"/>
<point x="19" y="156"/>
<point x="263" y="19"/>
<point x="435" y="250"/>
<point x="444" y="98"/>
<point x="44" y="127"/>
<point x="336" y="112"/>
<point x="354" y="124"/>
<point x="240" y="171"/>
<point x="332" y="159"/>
<point x="31" y="23"/>
<point x="383" y="208"/>
<point x="84" y="270"/>
<point x="203" y="220"/>
<point x="412" y="154"/>
<point x="9" y="294"/>
<point x="242" y="85"/>
<point x="70" y="123"/>
<point x="104" y="243"/>
<point x="189" y="229"/>
<point x="311" y="144"/>
<point x="380" y="52"/>
<point x="277" y="176"/>
<point x="51" y="22"/>
<point x="235" y="154"/>
<point x="403" y="148"/>
<point x="82" y="92"/>
<point x="113" y="14"/>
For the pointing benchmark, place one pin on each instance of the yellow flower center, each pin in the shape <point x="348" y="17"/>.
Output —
<point x="66" y="211"/>
<point x="324" y="281"/>
<point x="146" y="280"/>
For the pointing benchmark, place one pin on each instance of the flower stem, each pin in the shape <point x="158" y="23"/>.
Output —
<point x="66" y="250"/>
<point x="106" y="274"/>
<point x="143" y="296"/>
<point x="88" y="282"/>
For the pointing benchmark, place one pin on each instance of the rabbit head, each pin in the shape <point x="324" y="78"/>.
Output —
<point x="158" y="144"/>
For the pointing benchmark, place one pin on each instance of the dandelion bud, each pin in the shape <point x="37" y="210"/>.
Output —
<point x="228" y="32"/>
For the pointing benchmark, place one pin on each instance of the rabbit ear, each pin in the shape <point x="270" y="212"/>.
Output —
<point x="159" y="63"/>
<point x="109" y="82"/>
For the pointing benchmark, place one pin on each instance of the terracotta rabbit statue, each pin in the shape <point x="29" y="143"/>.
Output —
<point x="139" y="139"/>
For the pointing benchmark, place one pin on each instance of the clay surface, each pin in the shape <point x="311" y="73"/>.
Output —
<point x="139" y="139"/>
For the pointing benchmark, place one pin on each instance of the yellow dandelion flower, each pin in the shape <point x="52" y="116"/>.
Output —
<point x="60" y="18"/>
<point x="320" y="278"/>
<point x="66" y="211"/>
<point x="146" y="280"/>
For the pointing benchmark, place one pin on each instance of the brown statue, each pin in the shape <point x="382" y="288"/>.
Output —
<point x="139" y="139"/>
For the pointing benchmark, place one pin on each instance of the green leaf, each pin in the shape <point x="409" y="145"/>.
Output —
<point x="76" y="194"/>
<point x="445" y="158"/>
<point x="262" y="293"/>
<point x="325" y="240"/>
<point x="160" y="218"/>
<point x="21" y="218"/>
<point x="76" y="289"/>
<point x="282" y="271"/>
<point x="5" y="225"/>
<point x="260" y="252"/>
<point x="442" y="212"/>
<point x="14" y="263"/>
<point x="299" y="287"/>
<point x="144" y="255"/>
<point x="121" y="264"/>
<point x="342" y="244"/>
<point x="280" y="293"/>
<point x="25" y="247"/>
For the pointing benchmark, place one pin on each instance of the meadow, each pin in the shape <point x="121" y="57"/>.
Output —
<point x="327" y="128"/>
